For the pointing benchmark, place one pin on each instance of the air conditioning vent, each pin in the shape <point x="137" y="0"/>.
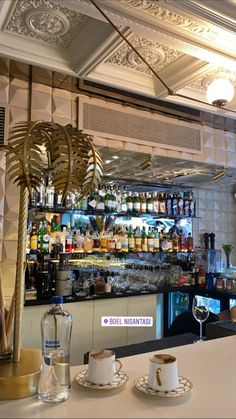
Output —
<point x="114" y="121"/>
<point x="2" y="123"/>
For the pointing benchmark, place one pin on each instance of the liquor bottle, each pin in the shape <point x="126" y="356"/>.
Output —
<point x="124" y="207"/>
<point x="118" y="240"/>
<point x="78" y="242"/>
<point x="55" y="223"/>
<point x="92" y="203"/>
<point x="108" y="202"/>
<point x="100" y="201"/>
<point x="113" y="199"/>
<point x="125" y="241"/>
<point x="162" y="199"/>
<point x="118" y="200"/>
<point x="111" y="244"/>
<point x="84" y="204"/>
<point x="175" y="241"/>
<point x="143" y="203"/>
<point x="131" y="242"/>
<point x="69" y="239"/>
<point x="33" y="239"/>
<point x="42" y="196"/>
<point x="137" y="240"/>
<point x="174" y="204"/>
<point x="150" y="206"/>
<point x="156" y="241"/>
<point x="169" y="243"/>
<point x="180" y="203"/>
<point x="150" y="243"/>
<point x="144" y="242"/>
<point x="136" y="203"/>
<point x="54" y="382"/>
<point x="45" y="238"/>
<point x="186" y="210"/>
<point x="169" y="205"/>
<point x="129" y="202"/>
<point x="49" y="195"/>
<point x="182" y="244"/>
<point x="189" y="243"/>
<point x="192" y="204"/>
<point x="156" y="203"/>
<point x="88" y="242"/>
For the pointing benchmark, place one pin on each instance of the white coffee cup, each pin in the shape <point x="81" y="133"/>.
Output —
<point x="102" y="366"/>
<point x="163" y="372"/>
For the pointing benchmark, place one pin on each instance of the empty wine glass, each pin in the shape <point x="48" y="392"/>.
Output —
<point x="200" y="312"/>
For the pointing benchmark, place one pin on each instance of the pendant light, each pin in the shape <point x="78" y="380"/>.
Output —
<point x="220" y="92"/>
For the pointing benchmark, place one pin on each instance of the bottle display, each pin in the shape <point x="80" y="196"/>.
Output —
<point x="120" y="238"/>
<point x="54" y="382"/>
<point x="116" y="198"/>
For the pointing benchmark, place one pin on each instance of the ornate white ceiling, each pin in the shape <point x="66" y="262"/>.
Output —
<point x="187" y="42"/>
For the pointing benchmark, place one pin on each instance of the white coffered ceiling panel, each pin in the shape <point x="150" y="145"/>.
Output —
<point x="187" y="42"/>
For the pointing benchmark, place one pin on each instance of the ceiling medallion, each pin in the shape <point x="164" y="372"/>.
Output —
<point x="157" y="55"/>
<point x="47" y="22"/>
<point x="152" y="55"/>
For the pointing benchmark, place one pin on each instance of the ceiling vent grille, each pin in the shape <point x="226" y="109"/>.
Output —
<point x="2" y="123"/>
<point x="118" y="122"/>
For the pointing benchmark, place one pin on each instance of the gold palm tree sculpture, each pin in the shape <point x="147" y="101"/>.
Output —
<point x="34" y="149"/>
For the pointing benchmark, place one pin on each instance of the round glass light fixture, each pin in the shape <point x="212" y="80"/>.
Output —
<point x="220" y="92"/>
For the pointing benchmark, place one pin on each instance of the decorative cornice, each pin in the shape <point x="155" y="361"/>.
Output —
<point x="155" y="10"/>
<point x="157" y="55"/>
<point x="45" y="21"/>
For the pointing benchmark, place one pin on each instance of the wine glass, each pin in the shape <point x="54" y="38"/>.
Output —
<point x="200" y="312"/>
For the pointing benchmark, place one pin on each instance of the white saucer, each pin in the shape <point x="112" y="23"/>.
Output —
<point x="184" y="387"/>
<point x="120" y="379"/>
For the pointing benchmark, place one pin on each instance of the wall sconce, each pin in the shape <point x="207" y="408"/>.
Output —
<point x="147" y="163"/>
<point x="220" y="92"/>
<point x="218" y="175"/>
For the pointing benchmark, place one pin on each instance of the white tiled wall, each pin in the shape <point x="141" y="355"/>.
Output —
<point x="216" y="213"/>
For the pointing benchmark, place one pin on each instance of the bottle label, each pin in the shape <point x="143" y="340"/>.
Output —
<point x="156" y="243"/>
<point x="92" y="203"/>
<point x="124" y="207"/>
<point x="34" y="242"/>
<point x="137" y="206"/>
<point x="130" y="206"/>
<point x="143" y="206"/>
<point x="46" y="238"/>
<point x="150" y="207"/>
<point x="52" y="344"/>
<point x="131" y="242"/>
<point x="162" y="207"/>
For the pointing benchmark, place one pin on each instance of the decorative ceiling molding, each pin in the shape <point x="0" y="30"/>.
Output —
<point x="45" y="21"/>
<point x="154" y="9"/>
<point x="213" y="11"/>
<point x="157" y="55"/>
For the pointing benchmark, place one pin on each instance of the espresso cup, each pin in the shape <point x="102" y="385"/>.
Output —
<point x="102" y="366"/>
<point x="163" y="372"/>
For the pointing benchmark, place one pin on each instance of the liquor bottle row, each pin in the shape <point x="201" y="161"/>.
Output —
<point x="46" y="238"/>
<point x="116" y="199"/>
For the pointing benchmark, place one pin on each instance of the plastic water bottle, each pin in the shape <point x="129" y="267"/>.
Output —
<point x="54" y="381"/>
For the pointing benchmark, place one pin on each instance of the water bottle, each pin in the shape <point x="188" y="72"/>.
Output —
<point x="54" y="381"/>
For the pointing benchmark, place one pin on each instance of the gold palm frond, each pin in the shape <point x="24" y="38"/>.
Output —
<point x="88" y="162"/>
<point x="37" y="147"/>
<point x="25" y="164"/>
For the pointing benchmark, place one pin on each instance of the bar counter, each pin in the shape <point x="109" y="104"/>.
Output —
<point x="210" y="366"/>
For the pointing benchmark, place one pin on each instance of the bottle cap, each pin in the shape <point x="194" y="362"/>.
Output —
<point x="57" y="299"/>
